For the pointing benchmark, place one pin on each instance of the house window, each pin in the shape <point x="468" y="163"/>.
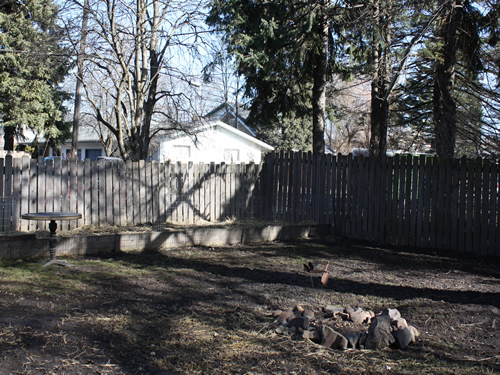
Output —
<point x="231" y="155"/>
<point x="93" y="153"/>
<point x="182" y="152"/>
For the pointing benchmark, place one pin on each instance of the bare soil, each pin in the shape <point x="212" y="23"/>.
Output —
<point x="207" y="310"/>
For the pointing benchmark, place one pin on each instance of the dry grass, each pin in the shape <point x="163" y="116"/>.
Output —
<point x="201" y="311"/>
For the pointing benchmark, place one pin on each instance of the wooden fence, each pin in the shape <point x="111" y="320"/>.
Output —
<point x="410" y="201"/>
<point x="128" y="193"/>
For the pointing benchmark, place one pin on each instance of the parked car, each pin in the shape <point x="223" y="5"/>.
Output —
<point x="53" y="158"/>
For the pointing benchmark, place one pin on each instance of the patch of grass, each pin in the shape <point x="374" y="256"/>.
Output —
<point x="206" y="310"/>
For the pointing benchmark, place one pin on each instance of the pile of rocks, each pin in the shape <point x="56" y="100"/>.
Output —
<point x="341" y="328"/>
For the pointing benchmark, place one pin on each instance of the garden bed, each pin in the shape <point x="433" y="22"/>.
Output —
<point x="208" y="310"/>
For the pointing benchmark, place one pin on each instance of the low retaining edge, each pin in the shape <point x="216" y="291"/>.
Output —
<point x="28" y="245"/>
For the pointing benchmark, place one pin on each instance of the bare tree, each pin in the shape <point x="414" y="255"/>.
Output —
<point x="134" y="79"/>
<point x="349" y="115"/>
<point x="79" y="79"/>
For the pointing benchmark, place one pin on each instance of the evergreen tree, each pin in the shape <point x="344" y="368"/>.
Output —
<point x="453" y="108"/>
<point x="32" y="64"/>
<point x="285" y="50"/>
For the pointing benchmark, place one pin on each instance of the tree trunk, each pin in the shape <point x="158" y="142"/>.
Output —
<point x="380" y="84"/>
<point x="444" y="107"/>
<point x="79" y="78"/>
<point x="319" y="88"/>
<point x="8" y="136"/>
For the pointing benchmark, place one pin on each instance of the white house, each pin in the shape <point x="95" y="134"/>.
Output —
<point x="89" y="145"/>
<point x="222" y="136"/>
<point x="211" y="141"/>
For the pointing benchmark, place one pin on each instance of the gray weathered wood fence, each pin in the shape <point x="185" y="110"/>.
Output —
<point x="409" y="201"/>
<point x="405" y="200"/>
<point x="130" y="193"/>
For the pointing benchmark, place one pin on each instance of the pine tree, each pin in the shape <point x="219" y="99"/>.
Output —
<point x="453" y="108"/>
<point x="32" y="64"/>
<point x="285" y="50"/>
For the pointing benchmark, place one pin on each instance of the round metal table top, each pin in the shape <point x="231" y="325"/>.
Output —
<point x="52" y="216"/>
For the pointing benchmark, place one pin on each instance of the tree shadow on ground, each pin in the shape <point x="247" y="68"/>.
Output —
<point x="272" y="275"/>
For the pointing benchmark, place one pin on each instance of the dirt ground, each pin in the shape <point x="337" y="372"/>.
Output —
<point x="207" y="311"/>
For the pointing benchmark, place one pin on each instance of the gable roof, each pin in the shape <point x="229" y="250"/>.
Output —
<point x="222" y="111"/>
<point x="202" y="126"/>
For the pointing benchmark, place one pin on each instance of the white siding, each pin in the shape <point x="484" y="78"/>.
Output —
<point x="215" y="144"/>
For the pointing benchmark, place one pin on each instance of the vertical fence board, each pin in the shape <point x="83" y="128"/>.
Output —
<point x="228" y="207"/>
<point x="434" y="203"/>
<point x="493" y="223"/>
<point x="485" y="208"/>
<point x="41" y="183"/>
<point x="290" y="191"/>
<point x="101" y="181"/>
<point x="330" y="181"/>
<point x="426" y="220"/>
<point x="420" y="197"/>
<point x="87" y="189"/>
<point x="195" y="188"/>
<point x="76" y="194"/>
<point x="412" y="241"/>
<point x="401" y="198"/>
<point x="470" y="206"/>
<point x="16" y="194"/>
<point x="3" y="175"/>
<point x="297" y="187"/>
<point x="4" y="211"/>
<point x="33" y="191"/>
<point x="408" y="200"/>
<point x="359" y="197"/>
<point x="112" y="169"/>
<point x="49" y="186"/>
<point x="24" y="197"/>
<point x="94" y="198"/>
<point x="168" y="198"/>
<point x="128" y="186"/>
<point x="122" y="193"/>
<point x="65" y="191"/>
<point x="441" y="199"/>
<point x="477" y="206"/>
<point x="462" y="218"/>
<point x="496" y="246"/>
<point x="448" y="204"/>
<point x="454" y="204"/>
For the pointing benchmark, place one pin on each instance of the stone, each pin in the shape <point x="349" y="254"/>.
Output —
<point x="403" y="338"/>
<point x="400" y="323"/>
<point x="331" y="309"/>
<point x="352" y="339"/>
<point x="313" y="335"/>
<point x="332" y="339"/>
<point x="284" y="316"/>
<point x="300" y="322"/>
<point x="298" y="310"/>
<point x="309" y="314"/>
<point x="277" y="313"/>
<point x="393" y="314"/>
<point x="379" y="333"/>
<point x="280" y="329"/>
<point x="362" y="339"/>
<point x="414" y="332"/>
<point x="359" y="316"/>
<point x="348" y="310"/>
